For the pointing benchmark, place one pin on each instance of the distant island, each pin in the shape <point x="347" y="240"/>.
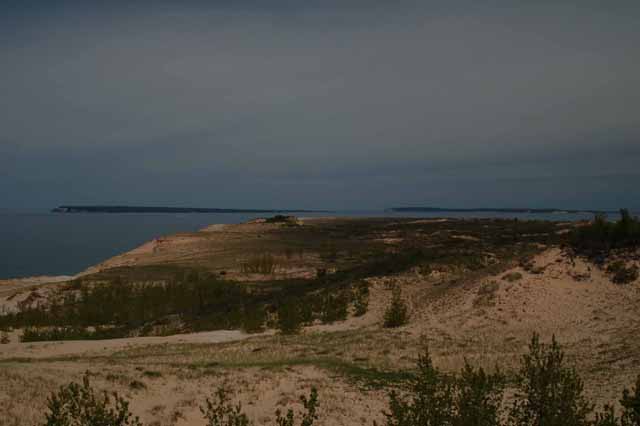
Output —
<point x="495" y="210"/>
<point x="145" y="209"/>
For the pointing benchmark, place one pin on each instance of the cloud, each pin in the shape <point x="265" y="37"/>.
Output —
<point x="312" y="105"/>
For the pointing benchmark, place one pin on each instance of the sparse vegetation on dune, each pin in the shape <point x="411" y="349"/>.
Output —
<point x="336" y="316"/>
<point x="600" y="237"/>
<point x="170" y="299"/>
<point x="547" y="391"/>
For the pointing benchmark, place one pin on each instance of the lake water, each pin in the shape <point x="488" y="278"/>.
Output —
<point x="42" y="243"/>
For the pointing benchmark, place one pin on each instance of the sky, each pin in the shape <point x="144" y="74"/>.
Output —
<point x="320" y="104"/>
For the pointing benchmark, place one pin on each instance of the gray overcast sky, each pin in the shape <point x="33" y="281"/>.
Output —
<point x="347" y="104"/>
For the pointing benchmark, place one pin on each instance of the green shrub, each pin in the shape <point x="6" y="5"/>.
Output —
<point x="360" y="298"/>
<point x="599" y="237"/>
<point x="430" y="401"/>
<point x="630" y="403"/>
<point x="289" y="316"/>
<point x="549" y="393"/>
<point x="606" y="417"/>
<point x="310" y="405"/>
<point x="79" y="404"/>
<point x="334" y="307"/>
<point x="512" y="276"/>
<point x="218" y="411"/>
<point x="253" y="319"/>
<point x="478" y="397"/>
<point x="32" y="334"/>
<point x="396" y="314"/>
<point x="621" y="274"/>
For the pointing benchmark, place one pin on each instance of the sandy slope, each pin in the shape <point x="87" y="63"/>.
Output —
<point x="94" y="347"/>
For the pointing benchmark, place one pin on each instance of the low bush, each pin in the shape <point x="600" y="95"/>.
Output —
<point x="549" y="392"/>
<point x="512" y="277"/>
<point x="218" y="410"/>
<point x="79" y="404"/>
<point x="289" y="316"/>
<point x="630" y="403"/>
<point x="33" y="334"/>
<point x="601" y="236"/>
<point x="396" y="314"/>
<point x="253" y="318"/>
<point x="360" y="298"/>
<point x="334" y="307"/>
<point x="621" y="274"/>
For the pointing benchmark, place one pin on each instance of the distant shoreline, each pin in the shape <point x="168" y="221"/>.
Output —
<point x="497" y="210"/>
<point x="144" y="209"/>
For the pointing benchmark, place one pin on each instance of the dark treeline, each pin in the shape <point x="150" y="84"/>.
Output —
<point x="197" y="302"/>
<point x="601" y="236"/>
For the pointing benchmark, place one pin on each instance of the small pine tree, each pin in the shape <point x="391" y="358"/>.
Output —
<point x="334" y="307"/>
<point x="361" y="298"/>
<point x="79" y="404"/>
<point x="310" y="405"/>
<point x="630" y="403"/>
<point x="607" y="417"/>
<point x="289" y="317"/>
<point x="218" y="411"/>
<point x="396" y="314"/>
<point x="549" y="393"/>
<point x="478" y="397"/>
<point x="253" y="318"/>
<point x="431" y="399"/>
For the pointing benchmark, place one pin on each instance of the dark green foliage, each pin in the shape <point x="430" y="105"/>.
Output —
<point x="360" y="298"/>
<point x="630" y="403"/>
<point x="478" y="397"/>
<point x="396" y="314"/>
<point x="621" y="274"/>
<point x="289" y="316"/>
<point x="549" y="393"/>
<point x="601" y="236"/>
<point x="310" y="405"/>
<point x="79" y="404"/>
<point x="152" y="374"/>
<point x="431" y="400"/>
<point x="474" y="398"/>
<point x="606" y="417"/>
<point x="137" y="385"/>
<point x="253" y="318"/>
<point x="280" y="218"/>
<point x="116" y="308"/>
<point x="218" y="411"/>
<point x="334" y="307"/>
<point x="32" y="334"/>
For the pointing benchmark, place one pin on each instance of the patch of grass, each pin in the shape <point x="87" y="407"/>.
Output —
<point x="621" y="274"/>
<point x="512" y="277"/>
<point x="260" y="264"/>
<point x="152" y="374"/>
<point x="137" y="385"/>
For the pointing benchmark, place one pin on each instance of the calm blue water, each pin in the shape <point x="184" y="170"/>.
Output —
<point x="42" y="243"/>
